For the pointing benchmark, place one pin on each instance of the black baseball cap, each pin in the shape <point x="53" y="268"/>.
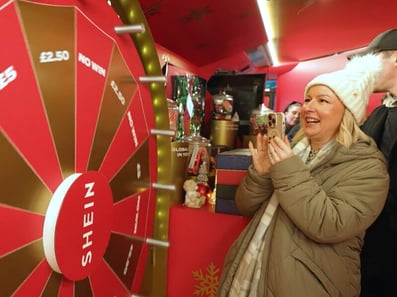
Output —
<point x="385" y="41"/>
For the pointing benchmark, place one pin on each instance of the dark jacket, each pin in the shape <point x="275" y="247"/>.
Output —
<point x="379" y="254"/>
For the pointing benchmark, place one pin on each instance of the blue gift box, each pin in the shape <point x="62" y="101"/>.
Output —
<point x="238" y="159"/>
<point x="231" y="167"/>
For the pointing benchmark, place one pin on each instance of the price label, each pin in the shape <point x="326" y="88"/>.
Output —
<point x="117" y="91"/>
<point x="54" y="56"/>
<point x="7" y="76"/>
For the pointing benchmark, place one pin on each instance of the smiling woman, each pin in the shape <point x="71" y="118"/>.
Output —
<point x="302" y="199"/>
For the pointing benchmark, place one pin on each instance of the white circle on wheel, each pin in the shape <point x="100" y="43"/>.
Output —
<point x="77" y="224"/>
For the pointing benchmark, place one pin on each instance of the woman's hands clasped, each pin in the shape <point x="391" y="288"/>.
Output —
<point x="269" y="152"/>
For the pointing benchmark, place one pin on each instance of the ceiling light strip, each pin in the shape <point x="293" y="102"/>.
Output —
<point x="265" y="8"/>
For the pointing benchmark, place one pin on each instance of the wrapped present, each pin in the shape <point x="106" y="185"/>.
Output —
<point x="237" y="159"/>
<point x="231" y="167"/>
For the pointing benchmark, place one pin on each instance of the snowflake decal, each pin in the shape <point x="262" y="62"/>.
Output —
<point x="208" y="282"/>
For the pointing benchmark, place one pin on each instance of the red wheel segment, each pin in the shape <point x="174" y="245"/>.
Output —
<point x="23" y="120"/>
<point x="95" y="49"/>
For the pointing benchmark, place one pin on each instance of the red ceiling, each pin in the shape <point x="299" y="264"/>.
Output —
<point x="206" y="31"/>
<point x="311" y="28"/>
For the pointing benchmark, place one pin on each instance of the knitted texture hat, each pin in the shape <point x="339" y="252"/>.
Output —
<point x="353" y="84"/>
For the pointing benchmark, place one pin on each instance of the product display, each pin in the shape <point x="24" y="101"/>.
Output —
<point x="189" y="94"/>
<point x="224" y="133"/>
<point x="223" y="106"/>
<point x="234" y="159"/>
<point x="173" y="114"/>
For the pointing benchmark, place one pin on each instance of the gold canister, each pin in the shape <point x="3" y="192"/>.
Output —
<point x="247" y="139"/>
<point x="223" y="132"/>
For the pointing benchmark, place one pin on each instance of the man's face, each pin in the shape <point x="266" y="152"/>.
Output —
<point x="388" y="78"/>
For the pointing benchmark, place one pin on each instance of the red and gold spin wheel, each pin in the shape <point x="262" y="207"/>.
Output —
<point x="84" y="142"/>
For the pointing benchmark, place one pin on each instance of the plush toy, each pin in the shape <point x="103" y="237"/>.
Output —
<point x="193" y="198"/>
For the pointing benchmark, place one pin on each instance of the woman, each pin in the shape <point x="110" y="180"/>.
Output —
<point x="292" y="113"/>
<point x="310" y="205"/>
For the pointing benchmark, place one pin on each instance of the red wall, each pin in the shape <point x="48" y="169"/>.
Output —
<point x="291" y="85"/>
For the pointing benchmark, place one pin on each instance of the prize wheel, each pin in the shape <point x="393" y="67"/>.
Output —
<point x="80" y="157"/>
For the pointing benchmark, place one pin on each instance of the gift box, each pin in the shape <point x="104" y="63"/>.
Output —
<point x="231" y="167"/>
<point x="237" y="159"/>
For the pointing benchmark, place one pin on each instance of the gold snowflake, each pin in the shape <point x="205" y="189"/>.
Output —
<point x="208" y="282"/>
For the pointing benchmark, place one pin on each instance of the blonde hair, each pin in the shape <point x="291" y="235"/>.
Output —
<point x="349" y="132"/>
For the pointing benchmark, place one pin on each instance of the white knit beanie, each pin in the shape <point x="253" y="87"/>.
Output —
<point x="353" y="84"/>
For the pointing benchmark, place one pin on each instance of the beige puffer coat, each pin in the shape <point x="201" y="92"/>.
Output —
<point x="317" y="232"/>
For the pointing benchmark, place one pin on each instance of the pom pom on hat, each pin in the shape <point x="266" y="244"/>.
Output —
<point x="354" y="84"/>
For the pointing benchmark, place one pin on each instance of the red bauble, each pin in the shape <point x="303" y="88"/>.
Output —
<point x="202" y="188"/>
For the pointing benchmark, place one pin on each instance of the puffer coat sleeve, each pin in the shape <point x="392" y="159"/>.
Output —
<point x="334" y="201"/>
<point x="258" y="188"/>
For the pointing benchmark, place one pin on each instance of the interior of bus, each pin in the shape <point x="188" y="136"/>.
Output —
<point x="85" y="102"/>
<point x="289" y="40"/>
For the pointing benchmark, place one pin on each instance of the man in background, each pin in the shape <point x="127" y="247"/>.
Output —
<point x="379" y="254"/>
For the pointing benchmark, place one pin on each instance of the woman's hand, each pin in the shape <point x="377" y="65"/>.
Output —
<point x="279" y="150"/>
<point x="260" y="155"/>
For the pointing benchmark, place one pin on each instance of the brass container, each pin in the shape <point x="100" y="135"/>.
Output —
<point x="223" y="133"/>
<point x="247" y="139"/>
